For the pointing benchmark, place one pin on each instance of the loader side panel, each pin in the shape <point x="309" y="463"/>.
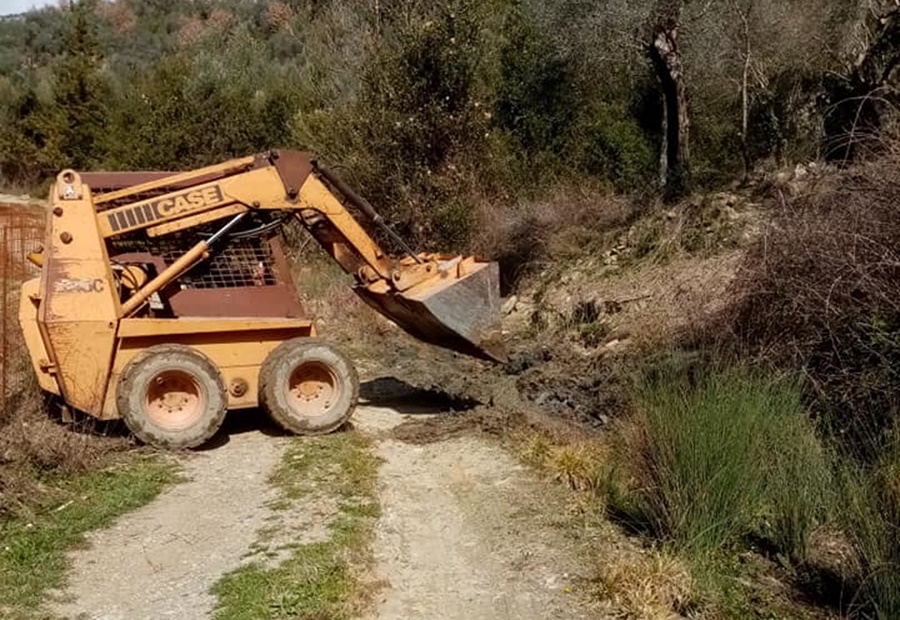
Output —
<point x="79" y="309"/>
<point x="34" y="342"/>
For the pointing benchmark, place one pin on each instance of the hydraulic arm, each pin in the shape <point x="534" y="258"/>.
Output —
<point x="449" y="301"/>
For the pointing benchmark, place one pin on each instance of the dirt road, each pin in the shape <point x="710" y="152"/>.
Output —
<point x="466" y="532"/>
<point x="161" y="560"/>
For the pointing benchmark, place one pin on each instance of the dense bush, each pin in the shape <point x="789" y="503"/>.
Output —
<point x="820" y="291"/>
<point x="724" y="453"/>
<point x="178" y="116"/>
<point x="430" y="108"/>
<point x="537" y="97"/>
<point x="420" y="121"/>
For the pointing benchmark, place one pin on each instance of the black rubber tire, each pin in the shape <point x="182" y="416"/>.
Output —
<point x="275" y="378"/>
<point x="136" y="380"/>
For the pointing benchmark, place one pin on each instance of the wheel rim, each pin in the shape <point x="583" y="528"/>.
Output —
<point x="175" y="400"/>
<point x="313" y="388"/>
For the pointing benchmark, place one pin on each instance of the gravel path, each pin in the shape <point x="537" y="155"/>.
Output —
<point x="160" y="561"/>
<point x="466" y="532"/>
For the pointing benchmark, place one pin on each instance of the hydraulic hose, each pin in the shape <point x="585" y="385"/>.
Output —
<point x="363" y="205"/>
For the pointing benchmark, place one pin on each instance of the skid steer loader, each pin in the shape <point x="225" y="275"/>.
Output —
<point x="165" y="299"/>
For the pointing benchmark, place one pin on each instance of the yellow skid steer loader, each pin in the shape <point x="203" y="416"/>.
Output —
<point x="165" y="299"/>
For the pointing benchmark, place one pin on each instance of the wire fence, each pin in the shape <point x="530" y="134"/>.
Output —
<point x="21" y="232"/>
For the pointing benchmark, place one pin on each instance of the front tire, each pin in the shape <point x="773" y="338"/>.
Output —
<point x="172" y="396"/>
<point x="308" y="387"/>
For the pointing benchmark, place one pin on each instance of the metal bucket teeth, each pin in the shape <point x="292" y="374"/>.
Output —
<point x="461" y="313"/>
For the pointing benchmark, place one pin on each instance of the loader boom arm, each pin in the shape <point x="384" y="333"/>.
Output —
<point x="450" y="301"/>
<point x="278" y="181"/>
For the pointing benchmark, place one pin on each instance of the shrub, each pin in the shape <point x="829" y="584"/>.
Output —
<point x="419" y="126"/>
<point x="178" y="115"/>
<point x="537" y="99"/>
<point x="612" y="146"/>
<point x="722" y="449"/>
<point x="798" y="480"/>
<point x="820" y="290"/>
<point x="522" y="235"/>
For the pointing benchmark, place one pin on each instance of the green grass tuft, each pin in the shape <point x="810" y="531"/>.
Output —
<point x="870" y="506"/>
<point x="33" y="551"/>
<point x="726" y="453"/>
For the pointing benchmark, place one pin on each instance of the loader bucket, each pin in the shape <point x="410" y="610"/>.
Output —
<point x="458" y="309"/>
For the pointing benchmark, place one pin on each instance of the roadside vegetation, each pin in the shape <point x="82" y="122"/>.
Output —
<point x="35" y="540"/>
<point x="723" y="454"/>
<point x="749" y="433"/>
<point x="57" y="483"/>
<point x="325" y="579"/>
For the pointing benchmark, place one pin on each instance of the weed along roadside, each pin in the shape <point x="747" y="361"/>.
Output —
<point x="34" y="542"/>
<point x="715" y="487"/>
<point x="737" y="419"/>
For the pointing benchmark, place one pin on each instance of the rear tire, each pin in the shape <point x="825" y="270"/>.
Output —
<point x="172" y="396"/>
<point x="308" y="387"/>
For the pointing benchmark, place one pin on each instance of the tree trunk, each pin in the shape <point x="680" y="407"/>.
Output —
<point x="666" y="58"/>
<point x="745" y="96"/>
<point x="864" y="98"/>
<point x="664" y="147"/>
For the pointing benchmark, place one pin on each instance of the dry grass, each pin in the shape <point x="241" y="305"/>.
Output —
<point x="820" y="290"/>
<point x="629" y="583"/>
<point x="34" y="445"/>
<point x="582" y="466"/>
<point x="535" y="448"/>
<point x="326" y="293"/>
<point x="651" y="586"/>
<point x="667" y="298"/>
<point x="581" y="462"/>
<point x="644" y="307"/>
<point x="645" y="280"/>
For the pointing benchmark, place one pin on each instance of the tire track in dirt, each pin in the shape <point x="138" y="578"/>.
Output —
<point x="467" y="532"/>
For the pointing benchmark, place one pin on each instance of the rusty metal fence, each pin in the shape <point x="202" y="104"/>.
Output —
<point x="21" y="231"/>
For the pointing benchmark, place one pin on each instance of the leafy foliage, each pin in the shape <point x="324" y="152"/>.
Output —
<point x="430" y="108"/>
